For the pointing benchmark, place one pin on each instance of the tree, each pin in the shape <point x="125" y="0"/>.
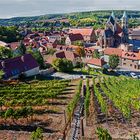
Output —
<point x="113" y="61"/>
<point x="78" y="43"/>
<point x="5" y="53"/>
<point x="80" y="51"/>
<point x="63" y="65"/>
<point x="1" y="74"/>
<point x="22" y="48"/>
<point x="96" y="54"/>
<point x="37" y="135"/>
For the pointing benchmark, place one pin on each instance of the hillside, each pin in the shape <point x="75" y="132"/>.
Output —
<point x="91" y="14"/>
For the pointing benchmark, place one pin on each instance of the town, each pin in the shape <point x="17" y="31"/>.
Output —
<point x="71" y="82"/>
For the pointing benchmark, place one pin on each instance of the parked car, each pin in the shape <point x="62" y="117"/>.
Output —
<point x="133" y="75"/>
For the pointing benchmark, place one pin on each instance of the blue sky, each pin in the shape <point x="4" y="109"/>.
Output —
<point x="14" y="8"/>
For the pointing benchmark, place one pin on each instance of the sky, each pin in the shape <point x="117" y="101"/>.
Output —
<point x="16" y="8"/>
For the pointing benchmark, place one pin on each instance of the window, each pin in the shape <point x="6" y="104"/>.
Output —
<point x="124" y="63"/>
<point x="135" y="66"/>
<point x="26" y="68"/>
<point x="130" y="65"/>
<point x="15" y="72"/>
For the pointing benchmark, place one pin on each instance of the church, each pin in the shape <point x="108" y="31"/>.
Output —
<point x="115" y="33"/>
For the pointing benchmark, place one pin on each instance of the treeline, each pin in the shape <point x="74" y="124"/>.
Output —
<point x="9" y="34"/>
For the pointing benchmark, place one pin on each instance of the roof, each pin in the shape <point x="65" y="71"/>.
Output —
<point x="66" y="54"/>
<point x="131" y="55"/>
<point x="3" y="44"/>
<point x="14" y="45"/>
<point x="63" y="54"/>
<point x="113" y="51"/>
<point x="108" y="33"/>
<point x="82" y="31"/>
<point x="95" y="61"/>
<point x="17" y="65"/>
<point x="76" y="37"/>
<point x="135" y="32"/>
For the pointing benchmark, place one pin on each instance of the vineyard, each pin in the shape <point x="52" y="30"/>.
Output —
<point x="117" y="105"/>
<point x="26" y="106"/>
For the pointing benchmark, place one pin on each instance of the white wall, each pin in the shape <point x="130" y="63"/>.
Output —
<point x="32" y="72"/>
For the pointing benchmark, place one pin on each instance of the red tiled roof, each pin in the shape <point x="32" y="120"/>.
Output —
<point x="76" y="37"/>
<point x="82" y="31"/>
<point x="113" y="51"/>
<point x="131" y="55"/>
<point x="95" y="61"/>
<point x="13" y="45"/>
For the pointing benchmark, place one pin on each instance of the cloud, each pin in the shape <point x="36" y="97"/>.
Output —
<point x="10" y="8"/>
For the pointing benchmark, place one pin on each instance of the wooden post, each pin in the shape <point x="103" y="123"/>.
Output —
<point x="82" y="128"/>
<point x="65" y="116"/>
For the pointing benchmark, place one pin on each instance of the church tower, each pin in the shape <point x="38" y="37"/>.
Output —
<point x="124" y="21"/>
<point x="111" y="23"/>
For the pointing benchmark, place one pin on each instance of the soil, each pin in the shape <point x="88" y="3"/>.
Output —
<point x="50" y="118"/>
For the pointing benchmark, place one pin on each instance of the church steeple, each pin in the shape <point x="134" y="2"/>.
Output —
<point x="124" y="20"/>
<point x="113" y="15"/>
<point x="111" y="23"/>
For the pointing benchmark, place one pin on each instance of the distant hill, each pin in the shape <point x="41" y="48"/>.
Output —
<point x="101" y="14"/>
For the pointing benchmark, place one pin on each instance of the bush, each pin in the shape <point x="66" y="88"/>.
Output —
<point x="63" y="65"/>
<point x="37" y="135"/>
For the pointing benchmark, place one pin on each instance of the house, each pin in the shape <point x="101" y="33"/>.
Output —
<point x="135" y="34"/>
<point x="89" y="52"/>
<point x="112" y="51"/>
<point x="25" y="64"/>
<point x="87" y="33"/>
<point x="65" y="54"/>
<point x="66" y="48"/>
<point x="131" y="60"/>
<point x="96" y="63"/>
<point x="3" y="44"/>
<point x="71" y="39"/>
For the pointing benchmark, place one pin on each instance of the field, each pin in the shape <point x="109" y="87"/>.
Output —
<point x="114" y="104"/>
<point x="111" y="103"/>
<point x="26" y="106"/>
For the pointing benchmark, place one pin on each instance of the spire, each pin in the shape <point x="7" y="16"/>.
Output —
<point x="113" y="15"/>
<point x="124" y="15"/>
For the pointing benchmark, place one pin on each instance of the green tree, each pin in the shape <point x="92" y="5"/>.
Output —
<point x="103" y="134"/>
<point x="78" y="43"/>
<point x="96" y="54"/>
<point x="63" y="65"/>
<point x="1" y="74"/>
<point x="37" y="135"/>
<point x="22" y="48"/>
<point x="5" y="53"/>
<point x="113" y="61"/>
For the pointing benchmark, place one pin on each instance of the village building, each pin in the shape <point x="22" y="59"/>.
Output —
<point x="114" y="33"/>
<point x="96" y="63"/>
<point x="73" y="38"/>
<point x="14" y="67"/>
<point x="87" y="33"/>
<point x="131" y="60"/>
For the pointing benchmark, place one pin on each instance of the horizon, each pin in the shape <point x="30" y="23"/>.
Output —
<point x="29" y="8"/>
<point x="67" y="13"/>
